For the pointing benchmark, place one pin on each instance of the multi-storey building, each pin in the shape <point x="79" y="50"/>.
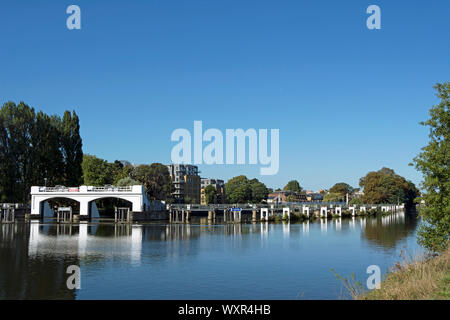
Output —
<point x="186" y="181"/>
<point x="216" y="183"/>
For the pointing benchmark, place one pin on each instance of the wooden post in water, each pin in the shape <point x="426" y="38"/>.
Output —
<point x="254" y="215"/>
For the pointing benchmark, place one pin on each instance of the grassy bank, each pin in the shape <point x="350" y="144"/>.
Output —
<point x="415" y="279"/>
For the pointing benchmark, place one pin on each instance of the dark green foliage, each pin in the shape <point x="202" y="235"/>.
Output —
<point x="293" y="186"/>
<point x="72" y="149"/>
<point x="210" y="194"/>
<point x="156" y="180"/>
<point x="242" y="190"/>
<point x="342" y="189"/>
<point x="434" y="162"/>
<point x="35" y="147"/>
<point x="385" y="186"/>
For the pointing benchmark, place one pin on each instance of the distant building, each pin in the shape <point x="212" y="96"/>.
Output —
<point x="285" y="196"/>
<point x="186" y="181"/>
<point x="357" y="194"/>
<point x="314" y="197"/>
<point x="216" y="183"/>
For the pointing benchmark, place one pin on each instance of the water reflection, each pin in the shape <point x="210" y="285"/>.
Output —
<point x="34" y="256"/>
<point x="387" y="231"/>
<point x="86" y="241"/>
<point x="26" y="277"/>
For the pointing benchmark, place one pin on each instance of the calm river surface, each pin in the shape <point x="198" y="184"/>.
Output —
<point x="198" y="261"/>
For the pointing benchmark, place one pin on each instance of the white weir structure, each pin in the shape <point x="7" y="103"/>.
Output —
<point x="86" y="196"/>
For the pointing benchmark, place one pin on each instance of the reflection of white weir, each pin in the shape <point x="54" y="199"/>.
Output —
<point x="305" y="226"/>
<point x="323" y="225"/>
<point x="338" y="223"/>
<point x="362" y="222"/>
<point x="352" y="223"/>
<point x="286" y="229"/>
<point x="398" y="217"/>
<point x="264" y="230"/>
<point x="127" y="244"/>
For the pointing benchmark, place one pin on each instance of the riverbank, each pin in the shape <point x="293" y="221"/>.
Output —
<point x="419" y="279"/>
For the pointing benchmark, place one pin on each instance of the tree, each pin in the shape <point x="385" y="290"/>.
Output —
<point x="355" y="201"/>
<point x="210" y="194"/>
<point x="259" y="191"/>
<point x="72" y="151"/>
<point x="48" y="159"/>
<point x="121" y="170"/>
<point x="242" y="190"/>
<point x="34" y="148"/>
<point x="434" y="163"/>
<point x="238" y="190"/>
<point x="341" y="188"/>
<point x="18" y="154"/>
<point x="385" y="186"/>
<point x="125" y="182"/>
<point x="293" y="186"/>
<point x="156" y="180"/>
<point x="96" y="171"/>
<point x="333" y="197"/>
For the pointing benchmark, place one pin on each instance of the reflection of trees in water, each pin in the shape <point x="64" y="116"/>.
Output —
<point x="388" y="230"/>
<point x="24" y="277"/>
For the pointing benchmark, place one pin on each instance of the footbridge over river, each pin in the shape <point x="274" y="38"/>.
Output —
<point x="86" y="195"/>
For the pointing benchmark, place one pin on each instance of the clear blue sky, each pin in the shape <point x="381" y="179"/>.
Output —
<point x="347" y="100"/>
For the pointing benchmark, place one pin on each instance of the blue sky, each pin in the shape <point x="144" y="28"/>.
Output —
<point x="347" y="100"/>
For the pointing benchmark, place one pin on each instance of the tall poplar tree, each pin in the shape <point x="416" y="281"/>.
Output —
<point x="71" y="146"/>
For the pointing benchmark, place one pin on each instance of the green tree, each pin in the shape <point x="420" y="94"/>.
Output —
<point x="72" y="151"/>
<point x="333" y="197"/>
<point x="121" y="170"/>
<point x="342" y="189"/>
<point x="46" y="141"/>
<point x="385" y="186"/>
<point x="293" y="186"/>
<point x="33" y="150"/>
<point x="355" y="201"/>
<point x="128" y="181"/>
<point x="434" y="163"/>
<point x="242" y="190"/>
<point x="96" y="171"/>
<point x="156" y="180"/>
<point x="18" y="154"/>
<point x="210" y="194"/>
<point x="259" y="191"/>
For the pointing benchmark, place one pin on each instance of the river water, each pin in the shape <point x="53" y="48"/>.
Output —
<point x="199" y="261"/>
